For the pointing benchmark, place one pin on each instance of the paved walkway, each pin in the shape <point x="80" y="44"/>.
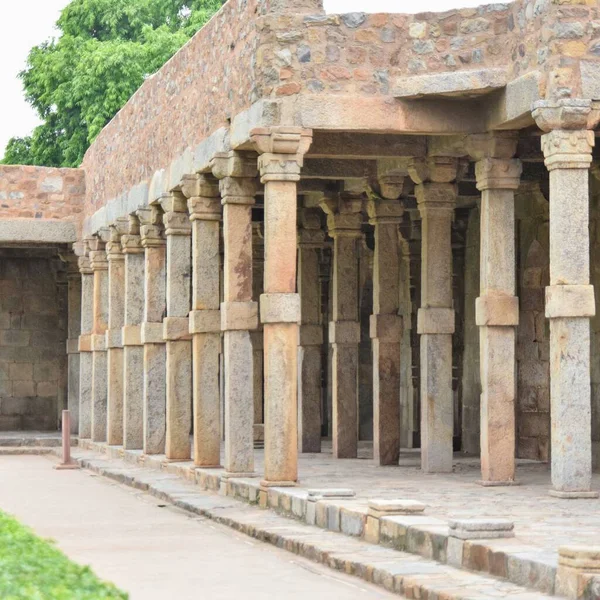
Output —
<point x="155" y="551"/>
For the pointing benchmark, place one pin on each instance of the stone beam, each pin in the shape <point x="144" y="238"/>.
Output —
<point x="355" y="145"/>
<point x="336" y="169"/>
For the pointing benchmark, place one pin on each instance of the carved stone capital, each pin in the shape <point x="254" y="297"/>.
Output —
<point x="436" y="196"/>
<point x="85" y="268"/>
<point x="344" y="218"/>
<point x="98" y="261"/>
<point x="202" y="185"/>
<point x="497" y="144"/>
<point x="203" y="208"/>
<point x="175" y="202"/>
<point x="282" y="151"/>
<point x="97" y="243"/>
<point x="152" y="236"/>
<point x="237" y="190"/>
<point x="177" y="223"/>
<point x="568" y="113"/>
<point x="142" y="216"/>
<point x="234" y="164"/>
<point x="131" y="244"/>
<point x="384" y="211"/>
<point x="437" y="169"/>
<point x="498" y="174"/>
<point x="564" y="149"/>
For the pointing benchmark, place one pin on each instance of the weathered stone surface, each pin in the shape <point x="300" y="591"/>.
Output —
<point x="476" y="529"/>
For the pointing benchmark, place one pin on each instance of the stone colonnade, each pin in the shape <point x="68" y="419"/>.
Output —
<point x="171" y="319"/>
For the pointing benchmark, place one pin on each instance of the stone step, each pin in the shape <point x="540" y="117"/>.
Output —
<point x="16" y="441"/>
<point x="396" y="571"/>
<point x="425" y="535"/>
<point x="32" y="450"/>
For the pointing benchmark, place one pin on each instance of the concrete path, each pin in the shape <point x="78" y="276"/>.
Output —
<point x="155" y="551"/>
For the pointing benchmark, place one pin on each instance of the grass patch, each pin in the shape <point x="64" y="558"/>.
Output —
<point x="34" y="569"/>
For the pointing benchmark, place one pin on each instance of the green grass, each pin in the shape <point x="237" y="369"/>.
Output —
<point x="34" y="569"/>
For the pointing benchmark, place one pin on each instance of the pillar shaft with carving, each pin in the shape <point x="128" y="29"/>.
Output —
<point x="99" y="266"/>
<point x="176" y="328"/>
<point x="344" y="223"/>
<point x="497" y="308"/>
<point x="436" y="197"/>
<point x="114" y="339"/>
<point x="133" y="352"/>
<point x="73" y="332"/>
<point x="281" y="152"/>
<point x="85" y="340"/>
<point x="570" y="302"/>
<point x="204" y="206"/>
<point x="239" y="314"/>
<point x="386" y="330"/>
<point x="311" y="239"/>
<point x="155" y="378"/>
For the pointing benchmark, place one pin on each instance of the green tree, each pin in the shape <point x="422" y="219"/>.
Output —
<point x="79" y="80"/>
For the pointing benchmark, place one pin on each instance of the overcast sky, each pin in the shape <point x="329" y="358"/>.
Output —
<point x="25" y="25"/>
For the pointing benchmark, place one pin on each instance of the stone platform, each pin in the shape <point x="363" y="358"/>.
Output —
<point x="31" y="442"/>
<point x="530" y="559"/>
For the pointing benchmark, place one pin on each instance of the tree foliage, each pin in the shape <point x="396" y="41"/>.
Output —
<point x="79" y="80"/>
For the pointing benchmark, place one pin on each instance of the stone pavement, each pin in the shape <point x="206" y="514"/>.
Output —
<point x="153" y="550"/>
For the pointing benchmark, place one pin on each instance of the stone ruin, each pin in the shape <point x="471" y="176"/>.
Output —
<point x="363" y="226"/>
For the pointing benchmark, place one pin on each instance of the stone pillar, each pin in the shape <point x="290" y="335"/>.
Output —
<point x="154" y="366"/>
<point x="114" y="340"/>
<point x="436" y="197"/>
<point x="258" y="265"/>
<point x="344" y="222"/>
<point x="176" y="328"/>
<point x="570" y="303"/>
<point x="73" y="332"/>
<point x="311" y="239"/>
<point x="497" y="308"/>
<point x="239" y="314"/>
<point x="85" y="340"/>
<point x="204" y="206"/>
<point x="133" y="351"/>
<point x="386" y="329"/>
<point x="99" y="266"/>
<point x="281" y="151"/>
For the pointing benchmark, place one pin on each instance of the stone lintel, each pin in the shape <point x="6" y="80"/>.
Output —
<point x="176" y="329"/>
<point x="435" y="321"/>
<point x="152" y="333"/>
<point x="98" y="342"/>
<point x="481" y="529"/>
<point x="497" y="311"/>
<point x="469" y="83"/>
<point x="114" y="338"/>
<point x="344" y="332"/>
<point x="280" y="308"/>
<point x="310" y="335"/>
<point x="239" y="316"/>
<point x="132" y="335"/>
<point x="205" y="321"/>
<point x="498" y="174"/>
<point x="564" y="301"/>
<point x="37" y="231"/>
<point x="386" y="328"/>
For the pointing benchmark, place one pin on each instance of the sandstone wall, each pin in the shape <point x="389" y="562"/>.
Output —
<point x="32" y="340"/>
<point x="200" y="89"/>
<point x="41" y="193"/>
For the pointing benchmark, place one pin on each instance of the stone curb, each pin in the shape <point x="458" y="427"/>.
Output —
<point x="399" y="572"/>
<point x="509" y="559"/>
